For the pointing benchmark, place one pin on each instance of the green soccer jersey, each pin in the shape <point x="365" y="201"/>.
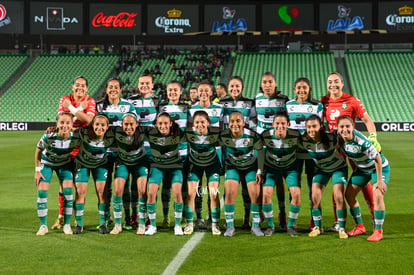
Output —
<point x="128" y="152"/>
<point x="326" y="159"/>
<point x="244" y="105"/>
<point x="93" y="152"/>
<point x="164" y="149"/>
<point x="202" y="149"/>
<point x="115" y="113"/>
<point x="362" y="153"/>
<point x="266" y="109"/>
<point x="146" y="109"/>
<point x="280" y="153"/>
<point x="299" y="112"/>
<point x="215" y="113"/>
<point x="55" y="150"/>
<point x="178" y="112"/>
<point x="240" y="152"/>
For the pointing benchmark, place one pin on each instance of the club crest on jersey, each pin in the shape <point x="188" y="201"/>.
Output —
<point x="344" y="106"/>
<point x="244" y="105"/>
<point x="246" y="142"/>
<point x="310" y="109"/>
<point x="122" y="108"/>
<point x="214" y="113"/>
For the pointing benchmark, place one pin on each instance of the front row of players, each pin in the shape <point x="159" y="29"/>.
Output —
<point x="260" y="160"/>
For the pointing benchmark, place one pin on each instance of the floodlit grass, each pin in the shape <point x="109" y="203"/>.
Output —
<point x="23" y="252"/>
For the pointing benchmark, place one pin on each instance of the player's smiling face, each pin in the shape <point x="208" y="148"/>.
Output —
<point x="113" y="90"/>
<point x="174" y="92"/>
<point x="302" y="91"/>
<point x="268" y="85"/>
<point x="280" y="124"/>
<point x="129" y="125"/>
<point x="312" y="128"/>
<point x="164" y="124"/>
<point x="345" y="128"/>
<point x="100" y="126"/>
<point x="145" y="86"/>
<point x="236" y="124"/>
<point x="64" y="125"/>
<point x="204" y="92"/>
<point x="201" y="125"/>
<point x="235" y="88"/>
<point x="335" y="85"/>
<point x="79" y="88"/>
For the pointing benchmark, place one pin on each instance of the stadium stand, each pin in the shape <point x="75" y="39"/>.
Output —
<point x="9" y="64"/>
<point x="286" y="67"/>
<point x="384" y="83"/>
<point x="36" y="94"/>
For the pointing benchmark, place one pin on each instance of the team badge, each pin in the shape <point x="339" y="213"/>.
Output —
<point x="244" y="105"/>
<point x="214" y="113"/>
<point x="310" y="109"/>
<point x="246" y="142"/>
<point x="344" y="106"/>
<point x="122" y="108"/>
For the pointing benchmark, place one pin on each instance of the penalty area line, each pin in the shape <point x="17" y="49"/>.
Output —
<point x="182" y="255"/>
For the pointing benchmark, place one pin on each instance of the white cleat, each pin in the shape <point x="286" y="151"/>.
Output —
<point x="42" y="230"/>
<point x="141" y="229"/>
<point x="215" y="229"/>
<point x="151" y="230"/>
<point x="178" y="231"/>
<point x="117" y="229"/>
<point x="67" y="229"/>
<point x="188" y="229"/>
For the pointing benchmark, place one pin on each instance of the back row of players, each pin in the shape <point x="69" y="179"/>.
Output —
<point x="180" y="142"/>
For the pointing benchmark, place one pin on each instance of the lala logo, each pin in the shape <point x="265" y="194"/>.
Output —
<point x="345" y="22"/>
<point x="228" y="14"/>
<point x="230" y="25"/>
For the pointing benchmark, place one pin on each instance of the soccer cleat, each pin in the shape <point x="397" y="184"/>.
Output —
<point x="166" y="222"/>
<point x="199" y="224"/>
<point x="334" y="227"/>
<point x="269" y="231"/>
<point x="230" y="231"/>
<point x="78" y="229"/>
<point x="257" y="231"/>
<point x="315" y="232"/>
<point x="127" y="224"/>
<point x="58" y="223"/>
<point x="342" y="233"/>
<point x="312" y="225"/>
<point x="357" y="230"/>
<point x="42" y="230"/>
<point x="376" y="236"/>
<point x="209" y="224"/>
<point x="246" y="223"/>
<point x="134" y="222"/>
<point x="178" y="231"/>
<point x="291" y="230"/>
<point x="215" y="229"/>
<point x="141" y="229"/>
<point x="103" y="229"/>
<point x="116" y="230"/>
<point x="67" y="230"/>
<point x="282" y="221"/>
<point x="151" y="230"/>
<point x="188" y="229"/>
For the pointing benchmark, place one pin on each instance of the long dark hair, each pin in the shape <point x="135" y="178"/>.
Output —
<point x="322" y="132"/>
<point x="136" y="137"/>
<point x="105" y="100"/>
<point x="341" y="141"/>
<point x="91" y="132"/>
<point x="175" y="129"/>
<point x="307" y="81"/>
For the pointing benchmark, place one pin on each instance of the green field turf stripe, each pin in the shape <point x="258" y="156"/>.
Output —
<point x="179" y="259"/>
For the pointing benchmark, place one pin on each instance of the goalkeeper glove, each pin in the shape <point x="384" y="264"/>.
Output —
<point x="373" y="138"/>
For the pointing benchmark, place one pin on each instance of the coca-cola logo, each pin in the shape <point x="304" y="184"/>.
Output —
<point x="121" y="20"/>
<point x="3" y="12"/>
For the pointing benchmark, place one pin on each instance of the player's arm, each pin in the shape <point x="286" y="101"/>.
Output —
<point x="372" y="131"/>
<point x="38" y="168"/>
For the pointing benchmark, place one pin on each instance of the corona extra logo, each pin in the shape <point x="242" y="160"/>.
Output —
<point x="406" y="10"/>
<point x="174" y="13"/>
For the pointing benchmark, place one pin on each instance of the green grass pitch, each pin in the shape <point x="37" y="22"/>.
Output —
<point x="21" y="251"/>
